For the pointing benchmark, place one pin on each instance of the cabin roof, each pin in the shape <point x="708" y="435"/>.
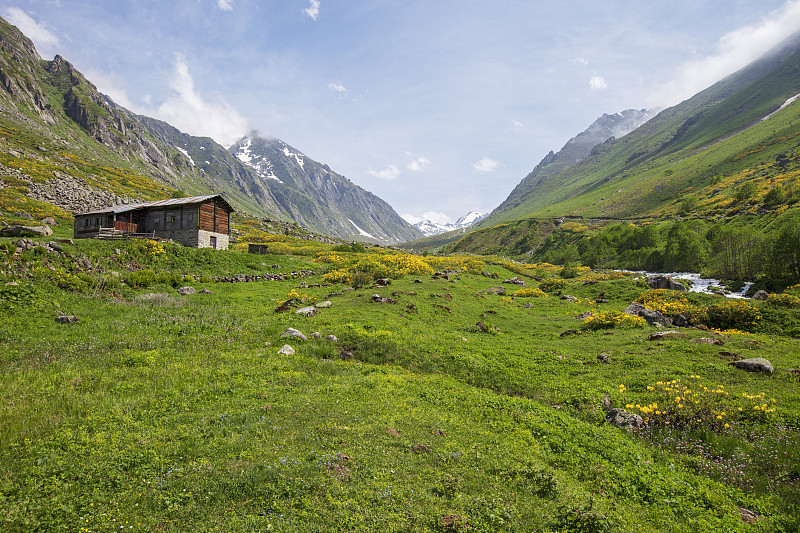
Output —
<point x="169" y="202"/>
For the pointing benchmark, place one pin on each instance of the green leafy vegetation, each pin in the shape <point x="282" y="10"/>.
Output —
<point x="158" y="411"/>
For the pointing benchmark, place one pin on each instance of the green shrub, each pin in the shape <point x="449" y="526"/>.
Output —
<point x="141" y="278"/>
<point x="553" y="285"/>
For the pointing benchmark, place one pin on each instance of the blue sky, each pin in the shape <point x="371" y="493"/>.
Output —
<point x="438" y="107"/>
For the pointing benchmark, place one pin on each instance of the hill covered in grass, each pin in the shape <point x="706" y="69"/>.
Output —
<point x="443" y="403"/>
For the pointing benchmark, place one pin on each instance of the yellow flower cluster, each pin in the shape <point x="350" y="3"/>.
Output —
<point x="378" y="265"/>
<point x="666" y="302"/>
<point x="682" y="404"/>
<point x="604" y="276"/>
<point x="784" y="300"/>
<point x="613" y="319"/>
<point x="154" y="249"/>
<point x="529" y="293"/>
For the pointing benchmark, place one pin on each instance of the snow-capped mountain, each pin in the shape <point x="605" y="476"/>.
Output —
<point x="429" y="227"/>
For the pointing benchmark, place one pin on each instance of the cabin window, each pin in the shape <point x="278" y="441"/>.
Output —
<point x="86" y="223"/>
<point x="172" y="218"/>
<point x="97" y="221"/>
<point x="190" y="217"/>
<point x="213" y="242"/>
<point x="156" y="220"/>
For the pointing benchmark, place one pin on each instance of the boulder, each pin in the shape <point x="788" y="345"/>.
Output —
<point x="667" y="335"/>
<point x="332" y="338"/>
<point x="680" y="320"/>
<point x="516" y="280"/>
<point x="568" y="298"/>
<point x="660" y="281"/>
<point x="186" y="290"/>
<point x="650" y="316"/>
<point x="756" y="364"/>
<point x="324" y="305"/>
<point x="291" y="332"/>
<point x="497" y="291"/>
<point x="382" y="282"/>
<point x="623" y="419"/>
<point x="20" y="231"/>
<point x="307" y="311"/>
<point x="377" y="298"/>
<point x="67" y="319"/>
<point x="286" y="350"/>
<point x="205" y="291"/>
<point x="761" y="295"/>
<point x="48" y="221"/>
<point x="708" y="340"/>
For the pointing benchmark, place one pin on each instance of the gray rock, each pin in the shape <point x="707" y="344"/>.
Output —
<point x="286" y="350"/>
<point x="67" y="319"/>
<point x="497" y="291"/>
<point x="324" y="305"/>
<point x="19" y="231"/>
<point x="659" y="281"/>
<point x="48" y="221"/>
<point x="332" y="338"/>
<point x="568" y="298"/>
<point x="516" y="280"/>
<point x="680" y="320"/>
<point x="756" y="364"/>
<point x="55" y="246"/>
<point x="623" y="419"/>
<point x="761" y="295"/>
<point x="12" y="284"/>
<point x="667" y="335"/>
<point x="307" y="311"/>
<point x="650" y="316"/>
<point x="708" y="340"/>
<point x="205" y="291"/>
<point x="585" y="315"/>
<point x="291" y="332"/>
<point x="316" y="335"/>
<point x="186" y="290"/>
<point x="382" y="282"/>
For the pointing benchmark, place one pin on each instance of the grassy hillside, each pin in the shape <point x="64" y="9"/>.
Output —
<point x="441" y="408"/>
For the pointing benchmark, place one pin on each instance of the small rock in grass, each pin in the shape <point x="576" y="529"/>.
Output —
<point x="67" y="319"/>
<point x="382" y="282"/>
<point x="392" y="432"/>
<point x="316" y="335"/>
<point x="623" y="419"/>
<point x="761" y="295"/>
<point x="205" y="291"/>
<point x="603" y="358"/>
<point x="291" y="332"/>
<point x="332" y="338"/>
<point x="756" y="364"/>
<point x="667" y="335"/>
<point x="186" y="290"/>
<point x="306" y="311"/>
<point x="324" y="305"/>
<point x="569" y="332"/>
<point x="584" y="316"/>
<point x="286" y="350"/>
<point x="707" y="340"/>
<point x="748" y="516"/>
<point x="420" y="448"/>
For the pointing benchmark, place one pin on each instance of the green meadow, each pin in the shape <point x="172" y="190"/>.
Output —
<point x="440" y="407"/>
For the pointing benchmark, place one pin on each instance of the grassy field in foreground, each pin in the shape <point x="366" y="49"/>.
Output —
<point x="162" y="412"/>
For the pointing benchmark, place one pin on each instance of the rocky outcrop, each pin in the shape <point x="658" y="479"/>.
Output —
<point x="756" y="364"/>
<point x="659" y="281"/>
<point x="651" y="317"/>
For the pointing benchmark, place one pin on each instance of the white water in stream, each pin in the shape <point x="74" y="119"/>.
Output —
<point x="700" y="284"/>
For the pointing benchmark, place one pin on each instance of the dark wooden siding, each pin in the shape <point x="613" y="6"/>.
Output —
<point x="214" y="217"/>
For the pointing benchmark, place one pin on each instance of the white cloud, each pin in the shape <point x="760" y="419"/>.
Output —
<point x="45" y="41"/>
<point x="417" y="164"/>
<point x="338" y="87"/>
<point x="735" y="50"/>
<point x="313" y="9"/>
<point x="188" y="111"/>
<point x="486" y="165"/>
<point x="581" y="61"/>
<point x="516" y="123"/>
<point x="389" y="173"/>
<point x="110" y="85"/>
<point x="225" y="5"/>
<point x="598" y="83"/>
<point x="433" y="216"/>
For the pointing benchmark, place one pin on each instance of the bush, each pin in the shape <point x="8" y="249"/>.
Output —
<point x="553" y="285"/>
<point x="141" y="278"/>
<point x="529" y="293"/>
<point x="738" y="314"/>
<point x="613" y="319"/>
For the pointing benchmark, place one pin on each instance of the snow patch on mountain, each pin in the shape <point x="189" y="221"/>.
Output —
<point x="361" y="231"/>
<point x="297" y="157"/>
<point x="261" y="165"/>
<point x="184" y="152"/>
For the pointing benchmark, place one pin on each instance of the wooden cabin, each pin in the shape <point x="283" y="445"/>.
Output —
<point x="197" y="221"/>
